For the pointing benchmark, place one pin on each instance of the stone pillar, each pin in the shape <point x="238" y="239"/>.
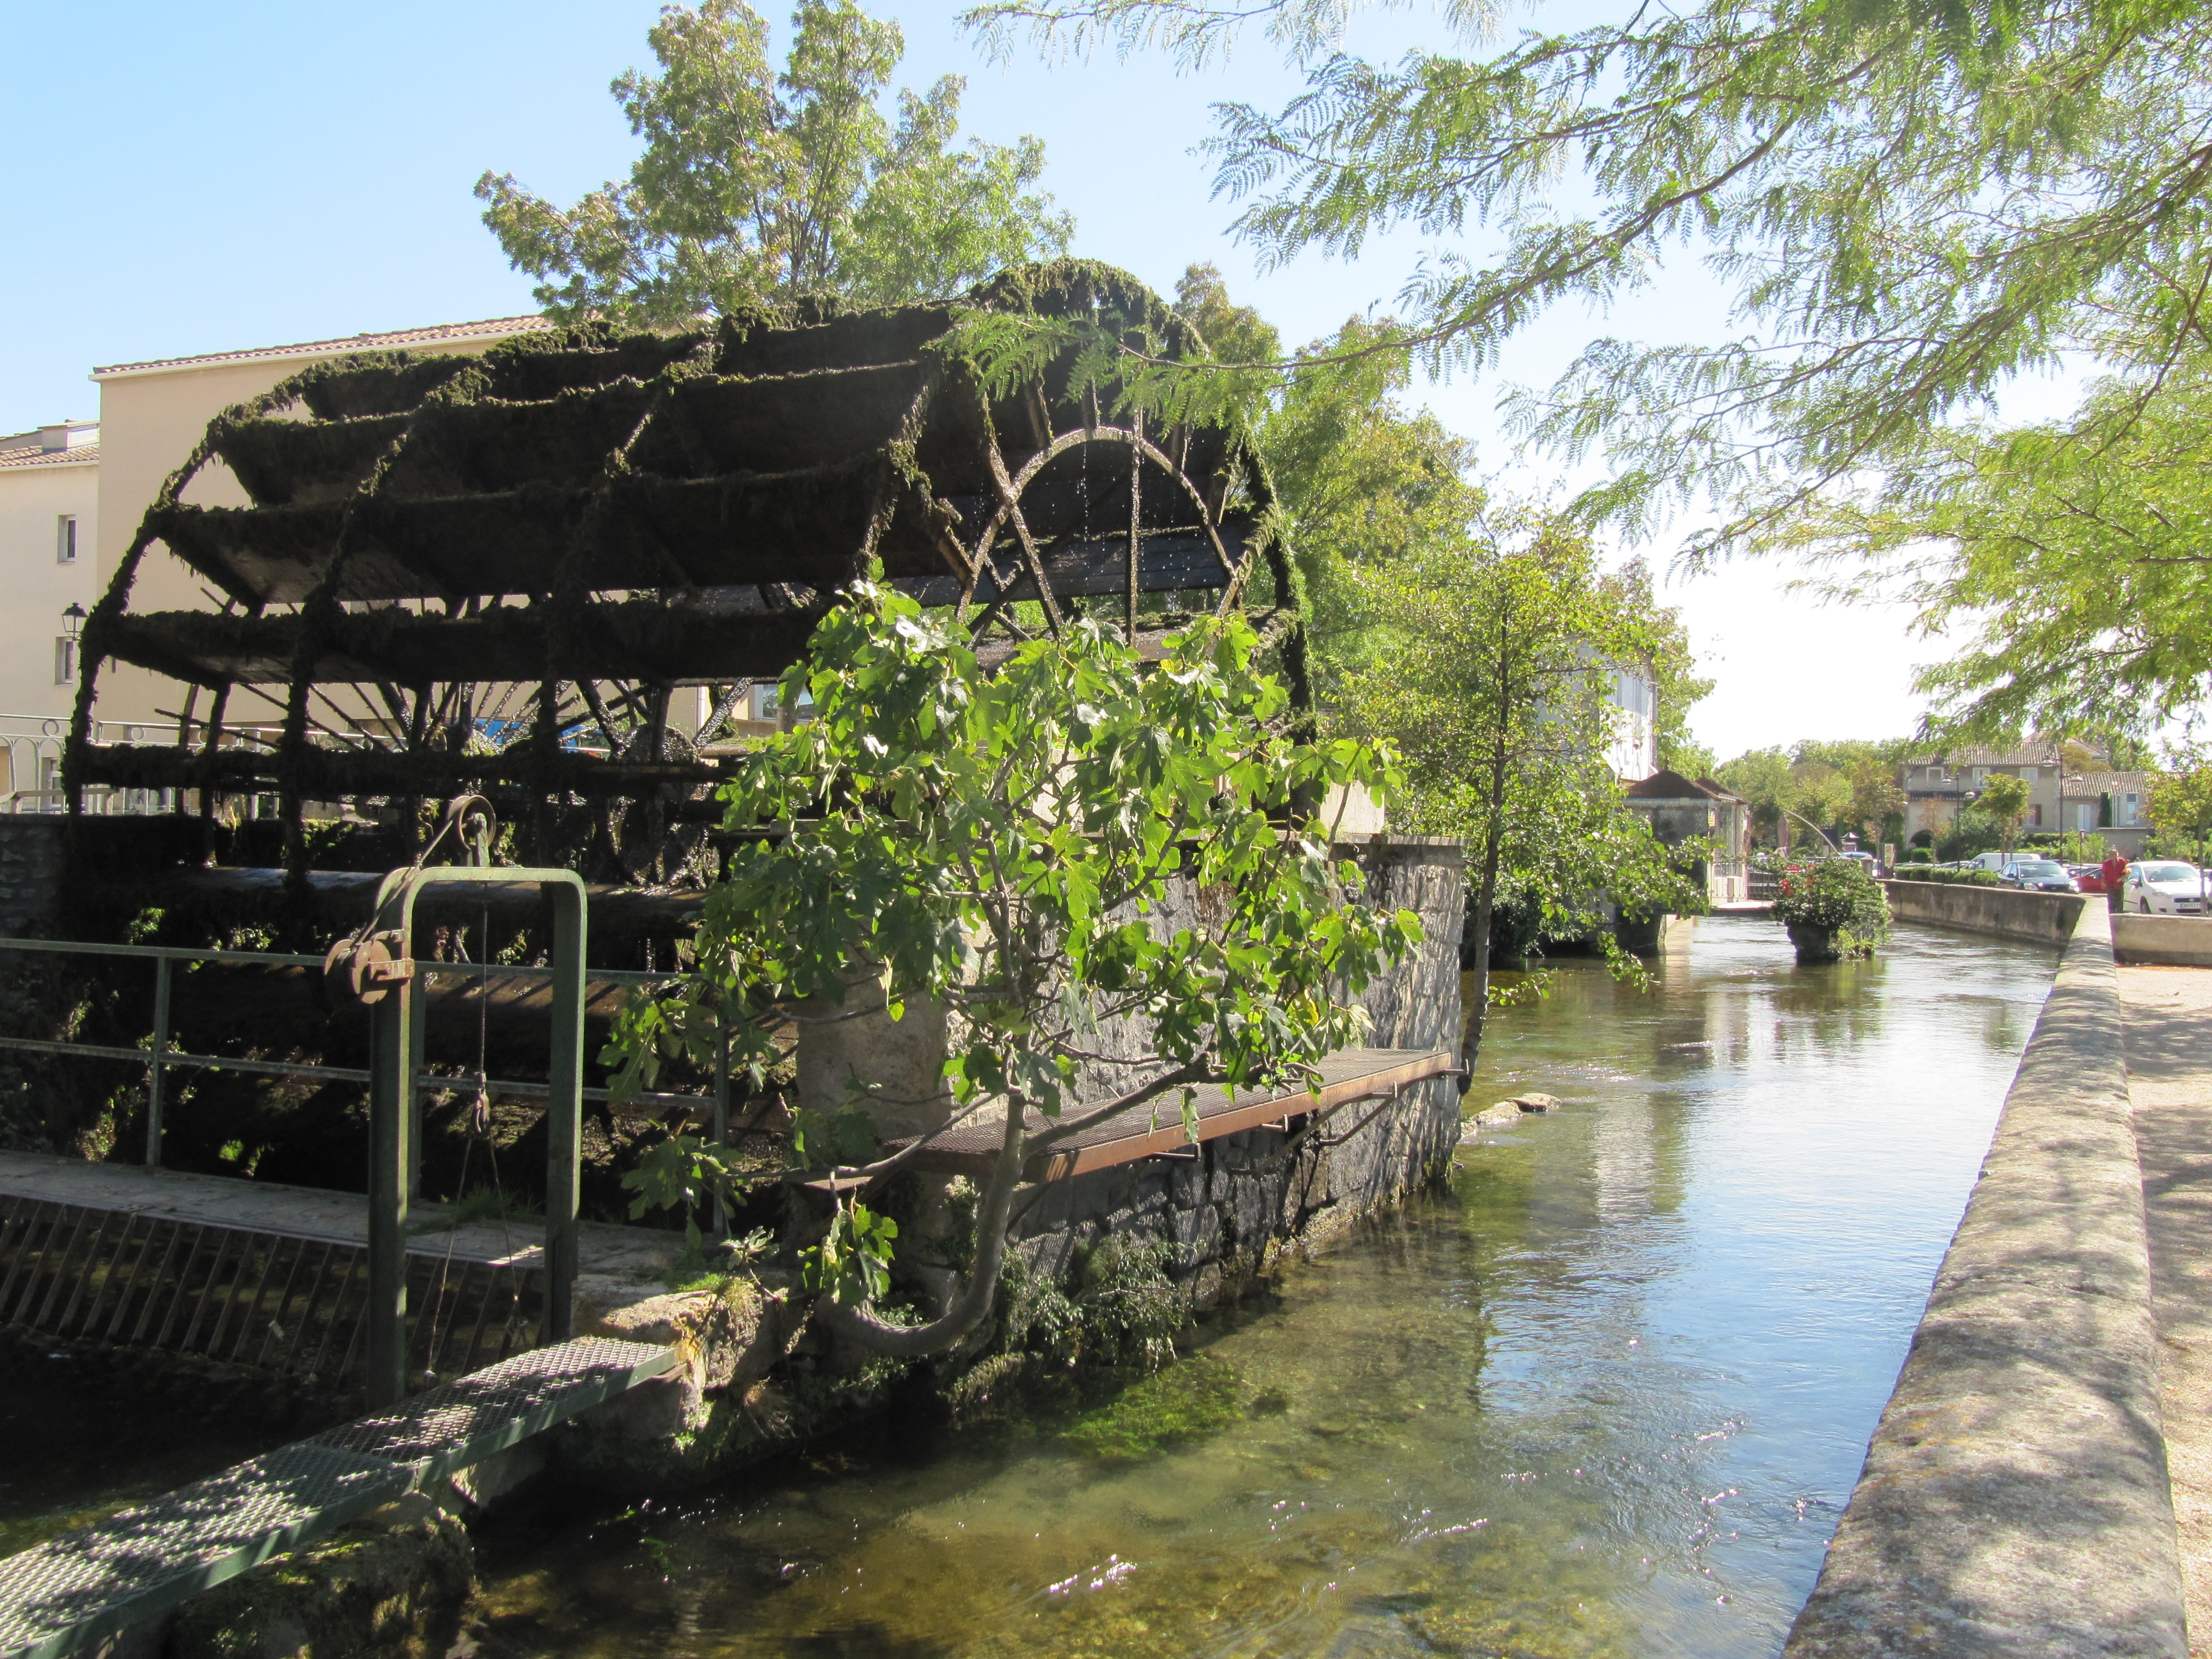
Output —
<point x="858" y="1054"/>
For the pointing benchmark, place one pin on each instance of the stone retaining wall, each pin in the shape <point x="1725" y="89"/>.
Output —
<point x="2008" y="911"/>
<point x="2014" y="1498"/>
<point x="1228" y="1210"/>
<point x="30" y="874"/>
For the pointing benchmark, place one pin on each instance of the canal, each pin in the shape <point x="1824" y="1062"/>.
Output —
<point x="1605" y="1394"/>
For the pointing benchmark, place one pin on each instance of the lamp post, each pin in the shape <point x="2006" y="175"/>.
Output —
<point x="73" y="620"/>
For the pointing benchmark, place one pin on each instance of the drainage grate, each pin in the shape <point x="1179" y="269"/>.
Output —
<point x="86" y="1584"/>
<point x="278" y="1303"/>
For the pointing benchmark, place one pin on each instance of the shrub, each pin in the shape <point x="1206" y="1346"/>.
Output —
<point x="1955" y="878"/>
<point x="1838" y="896"/>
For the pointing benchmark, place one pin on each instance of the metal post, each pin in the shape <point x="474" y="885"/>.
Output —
<point x="156" y="1073"/>
<point x="564" y="1110"/>
<point x="390" y="1118"/>
<point x="721" y="1115"/>
<point x="417" y="991"/>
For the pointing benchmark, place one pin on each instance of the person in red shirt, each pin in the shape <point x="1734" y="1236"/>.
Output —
<point x="2114" y="870"/>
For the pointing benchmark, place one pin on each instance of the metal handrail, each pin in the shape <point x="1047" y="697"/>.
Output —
<point x="160" y="1057"/>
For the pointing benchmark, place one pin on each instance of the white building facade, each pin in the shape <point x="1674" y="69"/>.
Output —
<point x="49" y="528"/>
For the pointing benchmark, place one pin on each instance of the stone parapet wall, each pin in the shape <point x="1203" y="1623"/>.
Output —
<point x="2007" y="912"/>
<point x="2014" y="1498"/>
<point x="2163" y="941"/>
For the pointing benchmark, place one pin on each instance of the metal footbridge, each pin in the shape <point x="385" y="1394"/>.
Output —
<point x="73" y="1590"/>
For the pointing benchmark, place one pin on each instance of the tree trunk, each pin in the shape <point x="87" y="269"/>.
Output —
<point x="1485" y="900"/>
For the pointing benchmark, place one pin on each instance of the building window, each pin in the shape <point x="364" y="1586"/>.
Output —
<point x="2130" y="803"/>
<point x="65" y="662"/>
<point x="2027" y="773"/>
<point x="65" y="539"/>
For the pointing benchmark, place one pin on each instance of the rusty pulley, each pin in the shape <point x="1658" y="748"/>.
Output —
<point x="363" y="969"/>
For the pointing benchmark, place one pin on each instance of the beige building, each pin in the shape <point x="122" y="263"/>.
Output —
<point x="152" y="416"/>
<point x="49" y="515"/>
<point x="1680" y="809"/>
<point x="2061" y="795"/>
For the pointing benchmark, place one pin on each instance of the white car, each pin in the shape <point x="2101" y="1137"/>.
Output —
<point x="2167" y="887"/>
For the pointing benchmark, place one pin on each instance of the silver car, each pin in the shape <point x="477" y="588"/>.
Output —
<point x="2167" y="887"/>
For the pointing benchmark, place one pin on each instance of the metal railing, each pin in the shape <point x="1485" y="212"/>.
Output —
<point x="32" y="746"/>
<point x="159" y="1058"/>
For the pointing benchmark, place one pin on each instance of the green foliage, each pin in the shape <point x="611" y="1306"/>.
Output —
<point x="1131" y="1309"/>
<point x="1952" y="877"/>
<point x="2070" y="556"/>
<point x="2003" y="799"/>
<point x="1911" y="206"/>
<point x="681" y="1172"/>
<point x="1846" y="786"/>
<point x="2181" y="798"/>
<point x="754" y="186"/>
<point x="1839" y="895"/>
<point x="852" y="1264"/>
<point x="1193" y="1398"/>
<point x="1491" y="683"/>
<point x="1970" y="831"/>
<point x="1001" y="842"/>
<point x="1009" y="843"/>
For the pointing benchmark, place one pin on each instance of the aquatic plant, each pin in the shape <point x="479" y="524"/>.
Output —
<point x="1187" y="1400"/>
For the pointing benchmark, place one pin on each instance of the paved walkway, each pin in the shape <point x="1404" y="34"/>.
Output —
<point x="2169" y="1050"/>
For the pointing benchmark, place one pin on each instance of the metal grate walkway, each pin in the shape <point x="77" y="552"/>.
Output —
<point x="86" y="1584"/>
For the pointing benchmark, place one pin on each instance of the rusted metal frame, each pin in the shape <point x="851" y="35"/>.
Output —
<point x="131" y="1285"/>
<point x="360" y="1325"/>
<point x="1136" y="519"/>
<point x="201" y="1232"/>
<point x="60" y="1271"/>
<point x="23" y="1221"/>
<point x="84" y="1275"/>
<point x="308" y="1306"/>
<point x="223" y="1239"/>
<point x="156" y="1068"/>
<point x="252" y="1316"/>
<point x="1063" y="1163"/>
<point x="353" y="1259"/>
<point x="276" y="1320"/>
<point x="160" y="1278"/>
<point x="1011" y="511"/>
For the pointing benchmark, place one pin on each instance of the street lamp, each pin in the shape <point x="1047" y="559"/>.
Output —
<point x="73" y="620"/>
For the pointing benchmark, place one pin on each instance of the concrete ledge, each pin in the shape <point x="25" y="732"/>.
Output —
<point x="2008" y="911"/>
<point x="2014" y="1497"/>
<point x="2163" y="941"/>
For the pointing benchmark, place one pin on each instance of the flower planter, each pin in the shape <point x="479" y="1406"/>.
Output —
<point x="1814" y="943"/>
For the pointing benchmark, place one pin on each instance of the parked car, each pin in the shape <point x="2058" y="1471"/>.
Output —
<point x="2167" y="887"/>
<point x="2087" y="877"/>
<point x="2038" y="876"/>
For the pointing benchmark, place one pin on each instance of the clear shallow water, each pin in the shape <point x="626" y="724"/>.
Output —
<point x="1606" y="1396"/>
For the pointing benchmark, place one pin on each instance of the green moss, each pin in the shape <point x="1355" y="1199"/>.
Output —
<point x="1196" y="1397"/>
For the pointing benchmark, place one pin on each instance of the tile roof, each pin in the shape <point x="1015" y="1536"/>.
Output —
<point x="2031" y="754"/>
<point x="13" y="455"/>
<point x="2082" y="784"/>
<point x="489" y="328"/>
<point x="1673" y="786"/>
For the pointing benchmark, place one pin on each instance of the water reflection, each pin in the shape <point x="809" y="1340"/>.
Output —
<point x="1604" y="1396"/>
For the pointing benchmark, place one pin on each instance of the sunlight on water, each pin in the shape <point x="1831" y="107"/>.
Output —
<point x="1605" y="1397"/>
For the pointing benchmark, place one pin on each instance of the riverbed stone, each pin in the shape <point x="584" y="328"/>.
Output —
<point x="1536" y="1102"/>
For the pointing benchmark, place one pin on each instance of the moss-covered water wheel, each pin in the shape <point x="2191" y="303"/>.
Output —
<point x="495" y="574"/>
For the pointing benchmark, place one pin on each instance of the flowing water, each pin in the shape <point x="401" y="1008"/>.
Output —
<point x="1604" y="1395"/>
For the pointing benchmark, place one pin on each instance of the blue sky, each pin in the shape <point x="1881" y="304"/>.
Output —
<point x="190" y="179"/>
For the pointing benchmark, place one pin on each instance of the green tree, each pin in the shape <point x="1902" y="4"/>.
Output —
<point x="2071" y="556"/>
<point x="2004" y="799"/>
<point x="1363" y="479"/>
<point x="1487" y="685"/>
<point x="2181" y="801"/>
<point x="1010" y="844"/>
<point x="754" y="186"/>
<point x="1911" y="206"/>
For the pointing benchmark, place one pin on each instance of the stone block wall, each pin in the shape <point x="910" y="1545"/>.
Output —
<point x="1229" y="1207"/>
<point x="30" y="874"/>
